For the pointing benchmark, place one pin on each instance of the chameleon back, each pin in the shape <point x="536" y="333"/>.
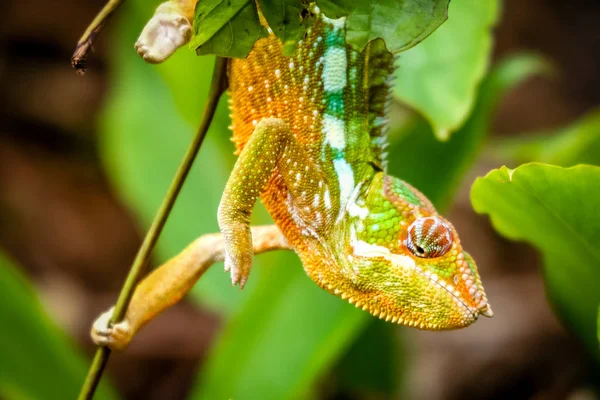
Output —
<point x="333" y="97"/>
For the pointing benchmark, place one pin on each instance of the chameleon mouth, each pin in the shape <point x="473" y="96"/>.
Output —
<point x="469" y="315"/>
<point x="483" y="307"/>
<point x="433" y="278"/>
<point x="405" y="320"/>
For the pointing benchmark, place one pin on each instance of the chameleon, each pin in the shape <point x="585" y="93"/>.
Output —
<point x="310" y="135"/>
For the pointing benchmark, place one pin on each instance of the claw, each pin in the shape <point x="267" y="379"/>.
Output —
<point x="180" y="20"/>
<point x="227" y="263"/>
<point x="116" y="337"/>
<point x="239" y="269"/>
<point x="185" y="30"/>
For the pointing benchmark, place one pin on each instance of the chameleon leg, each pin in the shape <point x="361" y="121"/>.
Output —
<point x="167" y="284"/>
<point x="169" y="28"/>
<point x="272" y="147"/>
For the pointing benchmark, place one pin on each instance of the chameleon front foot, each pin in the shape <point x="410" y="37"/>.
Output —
<point x="238" y="252"/>
<point x="115" y="337"/>
<point x="249" y="178"/>
<point x="239" y="271"/>
<point x="166" y="31"/>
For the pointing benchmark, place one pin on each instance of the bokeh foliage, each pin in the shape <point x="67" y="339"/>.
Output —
<point x="282" y="333"/>
<point x="37" y="360"/>
<point x="439" y="175"/>
<point x="577" y="143"/>
<point x="440" y="77"/>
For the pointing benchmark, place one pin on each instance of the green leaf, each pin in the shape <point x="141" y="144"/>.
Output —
<point x="447" y="162"/>
<point x="402" y="24"/>
<point x="230" y="28"/>
<point x="578" y="143"/>
<point x="226" y="28"/>
<point x="554" y="209"/>
<point x="337" y="8"/>
<point x="440" y="77"/>
<point x="37" y="361"/>
<point x="284" y="18"/>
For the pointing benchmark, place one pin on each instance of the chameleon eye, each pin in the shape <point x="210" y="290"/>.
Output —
<point x="429" y="237"/>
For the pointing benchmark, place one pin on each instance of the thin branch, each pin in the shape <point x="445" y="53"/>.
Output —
<point x="218" y="87"/>
<point x="87" y="39"/>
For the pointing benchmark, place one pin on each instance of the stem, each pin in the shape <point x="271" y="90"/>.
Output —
<point x="85" y="42"/>
<point x="218" y="87"/>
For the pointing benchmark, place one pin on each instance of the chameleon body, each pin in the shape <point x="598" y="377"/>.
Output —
<point x="310" y="134"/>
<point x="310" y="131"/>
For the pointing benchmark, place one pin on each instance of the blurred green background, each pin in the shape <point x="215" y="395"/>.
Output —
<point x="85" y="163"/>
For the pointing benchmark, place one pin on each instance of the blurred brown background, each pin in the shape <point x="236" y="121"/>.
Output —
<point x="60" y="220"/>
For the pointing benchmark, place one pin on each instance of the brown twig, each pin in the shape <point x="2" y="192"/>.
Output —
<point x="87" y="39"/>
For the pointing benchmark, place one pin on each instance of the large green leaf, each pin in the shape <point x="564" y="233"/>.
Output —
<point x="578" y="143"/>
<point x="401" y="24"/>
<point x="36" y="360"/>
<point x="437" y="168"/>
<point x="230" y="28"/>
<point x="288" y="20"/>
<point x="440" y="77"/>
<point x="226" y="28"/>
<point x="554" y="209"/>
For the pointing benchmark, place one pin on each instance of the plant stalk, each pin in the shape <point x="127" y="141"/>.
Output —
<point x="218" y="87"/>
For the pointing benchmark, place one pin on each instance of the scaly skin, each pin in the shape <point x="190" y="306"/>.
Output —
<point x="348" y="221"/>
<point x="310" y="134"/>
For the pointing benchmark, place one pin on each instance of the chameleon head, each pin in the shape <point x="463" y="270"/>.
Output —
<point x="405" y="263"/>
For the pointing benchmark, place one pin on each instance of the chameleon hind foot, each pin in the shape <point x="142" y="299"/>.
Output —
<point x="167" y="30"/>
<point x="116" y="336"/>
